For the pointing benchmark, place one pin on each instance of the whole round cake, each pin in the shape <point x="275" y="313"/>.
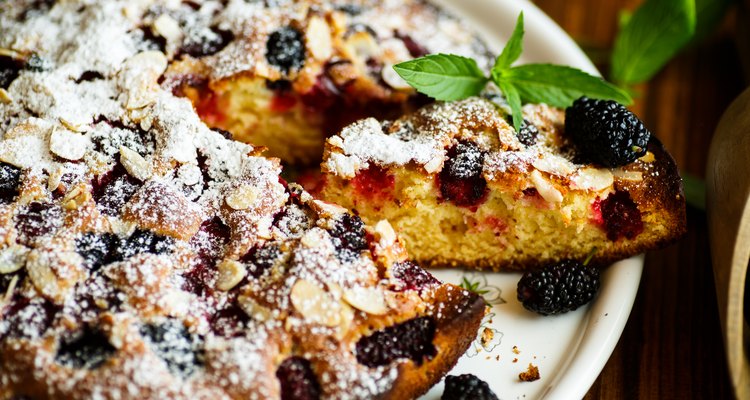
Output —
<point x="145" y="255"/>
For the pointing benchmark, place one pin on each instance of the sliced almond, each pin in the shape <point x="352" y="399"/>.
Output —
<point x="368" y="299"/>
<point x="67" y="144"/>
<point x="318" y="38"/>
<point x="73" y="126"/>
<point x="11" y="288"/>
<point x="253" y="309"/>
<point x="634" y="176"/>
<point x="12" y="258"/>
<point x="43" y="277"/>
<point x="5" y="97"/>
<point x="312" y="238"/>
<point x="384" y="233"/>
<point x="135" y="164"/>
<point x="242" y="197"/>
<point x="315" y="304"/>
<point x="166" y="27"/>
<point x="546" y="189"/>
<point x="553" y="164"/>
<point x="76" y="197"/>
<point x="363" y="46"/>
<point x="648" y="157"/>
<point x="595" y="179"/>
<point x="231" y="273"/>
<point x="327" y="210"/>
<point x="434" y="165"/>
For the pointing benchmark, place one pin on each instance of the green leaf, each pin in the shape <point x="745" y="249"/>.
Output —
<point x="513" y="47"/>
<point x="652" y="36"/>
<point x="558" y="85"/>
<point x="708" y="14"/>
<point x="695" y="191"/>
<point x="443" y="76"/>
<point x="514" y="101"/>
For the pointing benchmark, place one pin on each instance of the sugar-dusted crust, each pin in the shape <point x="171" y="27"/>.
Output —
<point x="343" y="73"/>
<point x="540" y="205"/>
<point x="144" y="255"/>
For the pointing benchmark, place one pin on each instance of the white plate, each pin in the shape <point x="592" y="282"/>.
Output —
<point x="570" y="349"/>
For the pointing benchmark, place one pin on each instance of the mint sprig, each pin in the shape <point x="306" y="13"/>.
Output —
<point x="450" y="77"/>
<point x="443" y="76"/>
<point x="651" y="37"/>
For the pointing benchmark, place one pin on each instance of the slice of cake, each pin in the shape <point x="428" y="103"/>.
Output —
<point x="288" y="75"/>
<point x="146" y="256"/>
<point x="465" y="189"/>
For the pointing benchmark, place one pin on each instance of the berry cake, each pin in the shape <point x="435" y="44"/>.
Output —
<point x="286" y="76"/>
<point x="144" y="255"/>
<point x="464" y="188"/>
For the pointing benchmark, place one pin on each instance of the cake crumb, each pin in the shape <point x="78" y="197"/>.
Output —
<point x="487" y="336"/>
<point x="515" y="350"/>
<point x="530" y="375"/>
<point x="515" y="360"/>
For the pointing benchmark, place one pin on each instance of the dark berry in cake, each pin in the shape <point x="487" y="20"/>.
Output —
<point x="348" y="237"/>
<point x="230" y="321"/>
<point x="297" y="380"/>
<point x="10" y="181"/>
<point x="9" y="71"/>
<point x="412" y="277"/>
<point x="211" y="41"/>
<point x="142" y="241"/>
<point x="528" y="133"/>
<point x="558" y="288"/>
<point x="38" y="219"/>
<point x="95" y="248"/>
<point x="461" y="180"/>
<point x="26" y="317"/>
<point x="112" y="190"/>
<point x="86" y="349"/>
<point x="466" y="387"/>
<point x="411" y="339"/>
<point x="261" y="259"/>
<point x="285" y="49"/>
<point x="605" y="132"/>
<point x="621" y="216"/>
<point x="172" y="342"/>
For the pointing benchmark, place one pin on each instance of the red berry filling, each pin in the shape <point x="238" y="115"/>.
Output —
<point x="461" y="181"/>
<point x="114" y="189"/>
<point x="27" y="318"/>
<point x="411" y="339"/>
<point x="374" y="184"/>
<point x="229" y="321"/>
<point x="38" y="219"/>
<point x="209" y="244"/>
<point x="621" y="216"/>
<point x="297" y="380"/>
<point x="412" y="276"/>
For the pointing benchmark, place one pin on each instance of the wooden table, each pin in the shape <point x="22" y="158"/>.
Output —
<point x="672" y="345"/>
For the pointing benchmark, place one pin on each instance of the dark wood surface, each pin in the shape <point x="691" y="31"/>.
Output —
<point x="672" y="345"/>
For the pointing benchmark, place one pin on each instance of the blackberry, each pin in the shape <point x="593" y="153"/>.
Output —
<point x="410" y="339"/>
<point x="95" y="248"/>
<point x="212" y="41"/>
<point x="142" y="241"/>
<point x="605" y="132"/>
<point x="10" y="68"/>
<point x="297" y="380"/>
<point x="528" y="133"/>
<point x="348" y="237"/>
<point x="38" y="219"/>
<point x="467" y="387"/>
<point x="10" y="180"/>
<point x="113" y="190"/>
<point x="558" y="288"/>
<point x="87" y="349"/>
<point x="285" y="49"/>
<point x="172" y="342"/>
<point x="412" y="276"/>
<point x="461" y="180"/>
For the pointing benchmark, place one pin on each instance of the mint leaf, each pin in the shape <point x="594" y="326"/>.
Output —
<point x="651" y="37"/>
<point x="558" y="85"/>
<point x="443" y="76"/>
<point x="513" y="47"/>
<point x="514" y="101"/>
